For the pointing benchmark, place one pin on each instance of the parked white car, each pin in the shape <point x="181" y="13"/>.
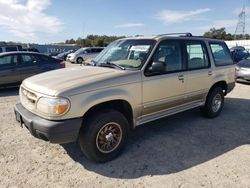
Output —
<point x="84" y="54"/>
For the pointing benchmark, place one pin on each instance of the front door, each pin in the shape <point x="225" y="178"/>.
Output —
<point x="166" y="89"/>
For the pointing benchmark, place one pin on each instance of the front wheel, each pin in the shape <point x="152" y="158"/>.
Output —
<point x="104" y="135"/>
<point x="214" y="103"/>
<point x="79" y="60"/>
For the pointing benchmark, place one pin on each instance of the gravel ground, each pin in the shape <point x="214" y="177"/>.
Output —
<point x="184" y="150"/>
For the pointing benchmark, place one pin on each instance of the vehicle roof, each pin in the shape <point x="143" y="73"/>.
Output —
<point x="166" y="36"/>
<point x="238" y="48"/>
<point x="90" y="47"/>
<point x="8" y="45"/>
<point x="19" y="52"/>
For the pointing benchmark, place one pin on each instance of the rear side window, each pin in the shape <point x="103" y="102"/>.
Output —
<point x="11" y="49"/>
<point x="8" y="60"/>
<point x="43" y="58"/>
<point x="29" y="59"/>
<point x="197" y="56"/>
<point x="221" y="54"/>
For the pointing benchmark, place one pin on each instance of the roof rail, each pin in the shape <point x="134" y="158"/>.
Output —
<point x="178" y="34"/>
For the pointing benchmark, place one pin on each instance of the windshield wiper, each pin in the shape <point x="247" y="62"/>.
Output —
<point x="110" y="64"/>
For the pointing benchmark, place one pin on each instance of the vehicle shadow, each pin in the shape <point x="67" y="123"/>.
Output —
<point x="9" y="91"/>
<point x="243" y="83"/>
<point x="175" y="143"/>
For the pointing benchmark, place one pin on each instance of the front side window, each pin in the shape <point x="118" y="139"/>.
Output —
<point x="221" y="54"/>
<point x="130" y="53"/>
<point x="197" y="57"/>
<point x="169" y="53"/>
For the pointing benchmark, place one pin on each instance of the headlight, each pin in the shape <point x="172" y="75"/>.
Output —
<point x="237" y="68"/>
<point x="53" y="106"/>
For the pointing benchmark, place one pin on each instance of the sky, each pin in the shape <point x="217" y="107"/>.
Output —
<point x="51" y="21"/>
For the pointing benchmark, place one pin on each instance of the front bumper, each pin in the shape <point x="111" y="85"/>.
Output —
<point x="243" y="75"/>
<point x="60" y="132"/>
<point x="71" y="59"/>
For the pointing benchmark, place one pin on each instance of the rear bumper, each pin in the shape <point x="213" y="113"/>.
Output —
<point x="64" y="131"/>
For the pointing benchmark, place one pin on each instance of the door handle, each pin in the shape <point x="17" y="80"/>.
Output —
<point x="210" y="73"/>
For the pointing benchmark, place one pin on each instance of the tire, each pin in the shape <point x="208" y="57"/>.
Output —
<point x="79" y="60"/>
<point x="214" y="103"/>
<point x="104" y="135"/>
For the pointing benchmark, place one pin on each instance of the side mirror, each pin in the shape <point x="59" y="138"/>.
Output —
<point x="158" y="67"/>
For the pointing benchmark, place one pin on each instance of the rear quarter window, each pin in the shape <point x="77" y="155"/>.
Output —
<point x="221" y="54"/>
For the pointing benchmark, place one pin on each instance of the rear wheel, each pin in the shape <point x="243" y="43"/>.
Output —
<point x="214" y="103"/>
<point x="104" y="135"/>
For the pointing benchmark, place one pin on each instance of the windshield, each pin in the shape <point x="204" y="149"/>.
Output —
<point x="79" y="50"/>
<point x="131" y="53"/>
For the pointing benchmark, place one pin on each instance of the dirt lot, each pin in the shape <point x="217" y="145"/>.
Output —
<point x="185" y="150"/>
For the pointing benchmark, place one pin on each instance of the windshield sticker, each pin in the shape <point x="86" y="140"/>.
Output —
<point x="140" y="48"/>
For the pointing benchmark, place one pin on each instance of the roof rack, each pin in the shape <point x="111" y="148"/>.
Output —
<point x="178" y="34"/>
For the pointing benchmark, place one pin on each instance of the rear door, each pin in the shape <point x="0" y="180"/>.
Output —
<point x="9" y="72"/>
<point x="30" y="65"/>
<point x="199" y="70"/>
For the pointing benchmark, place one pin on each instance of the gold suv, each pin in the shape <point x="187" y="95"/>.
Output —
<point x="131" y="82"/>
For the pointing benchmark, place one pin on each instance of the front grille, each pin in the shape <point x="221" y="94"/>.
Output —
<point x="28" y="99"/>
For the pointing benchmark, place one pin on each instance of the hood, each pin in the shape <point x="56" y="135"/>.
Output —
<point x="70" y="81"/>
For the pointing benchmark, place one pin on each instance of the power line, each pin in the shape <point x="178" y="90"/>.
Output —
<point x="241" y="25"/>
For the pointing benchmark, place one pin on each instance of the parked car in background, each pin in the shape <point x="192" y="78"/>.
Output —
<point x="63" y="56"/>
<point x="243" y="70"/>
<point x="84" y="54"/>
<point x="239" y="53"/>
<point x="16" y="66"/>
<point x="10" y="48"/>
<point x="31" y="50"/>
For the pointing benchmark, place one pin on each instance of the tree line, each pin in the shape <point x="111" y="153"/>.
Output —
<point x="222" y="34"/>
<point x="104" y="40"/>
<point x="93" y="40"/>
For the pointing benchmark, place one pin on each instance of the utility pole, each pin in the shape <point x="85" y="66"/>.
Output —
<point x="240" y="28"/>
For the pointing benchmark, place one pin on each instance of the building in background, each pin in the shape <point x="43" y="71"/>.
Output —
<point x="53" y="50"/>
<point x="244" y="43"/>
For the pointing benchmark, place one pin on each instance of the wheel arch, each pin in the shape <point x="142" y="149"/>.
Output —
<point x="119" y="105"/>
<point x="221" y="84"/>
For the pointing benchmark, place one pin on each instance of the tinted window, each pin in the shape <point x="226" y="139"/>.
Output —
<point x="197" y="57"/>
<point x="8" y="60"/>
<point x="169" y="53"/>
<point x="87" y="51"/>
<point x="11" y="49"/>
<point x="221" y="54"/>
<point x="43" y="58"/>
<point x="99" y="50"/>
<point x="1" y="50"/>
<point x="244" y="64"/>
<point x="29" y="59"/>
